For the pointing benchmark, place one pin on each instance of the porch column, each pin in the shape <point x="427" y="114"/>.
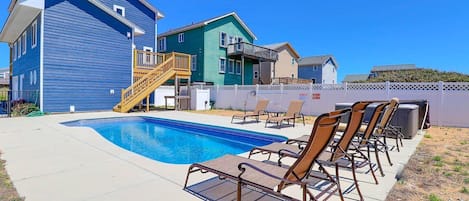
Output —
<point x="242" y="70"/>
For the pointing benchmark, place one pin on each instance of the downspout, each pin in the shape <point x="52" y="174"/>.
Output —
<point x="11" y="66"/>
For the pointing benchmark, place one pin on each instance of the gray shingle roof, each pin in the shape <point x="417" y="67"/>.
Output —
<point x="205" y="22"/>
<point x="355" y="77"/>
<point x="316" y="60"/>
<point x="393" y="67"/>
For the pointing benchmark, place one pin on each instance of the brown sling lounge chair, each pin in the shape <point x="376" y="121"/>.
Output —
<point x="272" y="178"/>
<point x="258" y="111"/>
<point x="338" y="155"/>
<point x="293" y="112"/>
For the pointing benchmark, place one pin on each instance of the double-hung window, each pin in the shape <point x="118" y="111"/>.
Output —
<point x="231" y="66"/>
<point x="15" y="50"/>
<point x="20" y="44"/>
<point x="193" y="62"/>
<point x="181" y="37"/>
<point x="24" y="39"/>
<point x="238" y="67"/>
<point x="222" y="65"/>
<point x="162" y="44"/>
<point x="223" y="38"/>
<point x="239" y="45"/>
<point x="34" y="34"/>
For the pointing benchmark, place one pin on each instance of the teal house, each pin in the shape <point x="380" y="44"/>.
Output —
<point x="221" y="49"/>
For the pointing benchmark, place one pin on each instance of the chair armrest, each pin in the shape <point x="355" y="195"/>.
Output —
<point x="286" y="152"/>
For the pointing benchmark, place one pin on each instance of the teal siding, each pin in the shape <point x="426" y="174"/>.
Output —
<point x="86" y="54"/>
<point x="194" y="45"/>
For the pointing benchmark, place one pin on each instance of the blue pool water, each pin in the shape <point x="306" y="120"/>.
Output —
<point x="175" y="142"/>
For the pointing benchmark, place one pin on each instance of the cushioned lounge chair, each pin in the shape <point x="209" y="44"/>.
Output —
<point x="258" y="111"/>
<point x="293" y="112"/>
<point x="272" y="178"/>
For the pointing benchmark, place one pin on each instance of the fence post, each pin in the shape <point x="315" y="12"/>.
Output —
<point x="387" y="89"/>
<point x="235" y="96"/>
<point x="345" y="87"/>
<point x="257" y="92"/>
<point x="440" y="107"/>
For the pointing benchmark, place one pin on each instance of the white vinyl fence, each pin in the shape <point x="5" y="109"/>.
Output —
<point x="449" y="102"/>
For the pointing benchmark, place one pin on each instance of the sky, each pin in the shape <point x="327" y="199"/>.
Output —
<point x="359" y="33"/>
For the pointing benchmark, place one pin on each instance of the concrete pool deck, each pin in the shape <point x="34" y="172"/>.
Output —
<point x="49" y="161"/>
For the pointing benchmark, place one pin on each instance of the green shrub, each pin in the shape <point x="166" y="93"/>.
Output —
<point x="433" y="197"/>
<point x="464" y="190"/>
<point x="23" y="109"/>
<point x="437" y="158"/>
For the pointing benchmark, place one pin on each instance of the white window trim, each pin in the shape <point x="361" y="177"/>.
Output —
<point x="181" y="37"/>
<point x="240" y="66"/>
<point x="232" y="70"/>
<point x="219" y="65"/>
<point x="148" y="57"/>
<point x="25" y="44"/>
<point x="34" y="34"/>
<point x="193" y="62"/>
<point x="30" y="77"/>
<point x="15" y="51"/>
<point x="19" y="47"/>
<point x="238" y="41"/>
<point x="231" y="40"/>
<point x="162" y="44"/>
<point x="224" y="39"/>
<point x="115" y="7"/>
<point x="145" y="48"/>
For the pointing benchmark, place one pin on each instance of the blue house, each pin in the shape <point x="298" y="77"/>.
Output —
<point x="318" y="69"/>
<point x="76" y="54"/>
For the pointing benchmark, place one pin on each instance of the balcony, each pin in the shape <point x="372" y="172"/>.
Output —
<point x="251" y="51"/>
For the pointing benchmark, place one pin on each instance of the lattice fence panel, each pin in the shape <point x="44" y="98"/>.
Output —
<point x="366" y="86"/>
<point x="414" y="86"/>
<point x="456" y="86"/>
<point x="296" y="87"/>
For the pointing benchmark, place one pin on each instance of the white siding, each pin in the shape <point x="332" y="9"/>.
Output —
<point x="329" y="74"/>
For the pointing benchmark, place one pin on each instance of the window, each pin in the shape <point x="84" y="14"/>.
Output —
<point x="256" y="75"/>
<point x="292" y="60"/>
<point x="231" y="66"/>
<point x="239" y="46"/>
<point x="119" y="10"/>
<point x="222" y="39"/>
<point x="193" y="62"/>
<point x="181" y="38"/>
<point x="315" y="68"/>
<point x="313" y="80"/>
<point x="23" y="38"/>
<point x="238" y="67"/>
<point x="19" y="47"/>
<point x="15" y="50"/>
<point x="162" y="44"/>
<point x="231" y="40"/>
<point x="148" y="56"/>
<point x="222" y="65"/>
<point x="34" y="77"/>
<point x="333" y="70"/>
<point x="30" y="77"/>
<point x="34" y="34"/>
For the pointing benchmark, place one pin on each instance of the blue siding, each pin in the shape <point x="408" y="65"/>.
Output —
<point x="307" y="72"/>
<point x="86" y="54"/>
<point x="28" y="63"/>
<point x="140" y="15"/>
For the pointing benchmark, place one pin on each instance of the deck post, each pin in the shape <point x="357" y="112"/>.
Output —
<point x="176" y="93"/>
<point x="148" y="103"/>
<point x="242" y="70"/>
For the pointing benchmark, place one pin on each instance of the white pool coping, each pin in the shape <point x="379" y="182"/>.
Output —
<point x="49" y="161"/>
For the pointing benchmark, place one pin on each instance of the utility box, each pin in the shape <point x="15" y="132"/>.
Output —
<point x="200" y="99"/>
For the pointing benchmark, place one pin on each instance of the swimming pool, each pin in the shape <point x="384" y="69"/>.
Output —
<point x="175" y="142"/>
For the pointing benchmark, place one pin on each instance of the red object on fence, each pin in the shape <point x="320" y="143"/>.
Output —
<point x="316" y="96"/>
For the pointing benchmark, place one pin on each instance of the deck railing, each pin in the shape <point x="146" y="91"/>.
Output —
<point x="252" y="50"/>
<point x="148" y="60"/>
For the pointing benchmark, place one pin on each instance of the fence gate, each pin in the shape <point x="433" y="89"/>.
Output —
<point x="5" y="104"/>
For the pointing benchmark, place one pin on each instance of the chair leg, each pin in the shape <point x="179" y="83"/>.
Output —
<point x="238" y="197"/>
<point x="303" y="117"/>
<point x="377" y="160"/>
<point x="354" y="174"/>
<point x="386" y="149"/>
<point x="338" y="182"/>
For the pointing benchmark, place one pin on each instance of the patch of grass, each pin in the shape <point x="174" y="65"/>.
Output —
<point x="466" y="180"/>
<point x="439" y="164"/>
<point x="437" y="158"/>
<point x="464" y="142"/>
<point x="433" y="197"/>
<point x="464" y="190"/>
<point x="427" y="136"/>
<point x="7" y="190"/>
<point x="448" y="174"/>
<point x="457" y="168"/>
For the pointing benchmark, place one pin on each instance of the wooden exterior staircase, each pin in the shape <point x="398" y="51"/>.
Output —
<point x="151" y="70"/>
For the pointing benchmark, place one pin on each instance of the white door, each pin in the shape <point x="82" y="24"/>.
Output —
<point x="21" y="85"/>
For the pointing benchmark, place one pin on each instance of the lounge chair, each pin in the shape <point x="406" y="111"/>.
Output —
<point x="272" y="178"/>
<point x="258" y="111"/>
<point x="338" y="155"/>
<point x="293" y="112"/>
